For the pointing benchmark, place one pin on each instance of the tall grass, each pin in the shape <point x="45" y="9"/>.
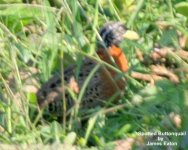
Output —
<point x="38" y="40"/>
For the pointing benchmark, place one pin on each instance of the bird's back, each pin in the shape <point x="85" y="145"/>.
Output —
<point x="98" y="89"/>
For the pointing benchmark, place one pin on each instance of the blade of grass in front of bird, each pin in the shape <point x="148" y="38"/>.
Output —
<point x="63" y="84"/>
<point x="55" y="131"/>
<point x="84" y="86"/>
<point x="70" y="15"/>
<point x="90" y="126"/>
<point x="92" y="49"/>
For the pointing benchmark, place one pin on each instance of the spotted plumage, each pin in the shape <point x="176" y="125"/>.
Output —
<point x="101" y="87"/>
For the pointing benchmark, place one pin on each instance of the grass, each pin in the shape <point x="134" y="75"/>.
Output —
<point x="38" y="39"/>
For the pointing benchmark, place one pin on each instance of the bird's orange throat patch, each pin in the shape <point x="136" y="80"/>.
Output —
<point x="119" y="57"/>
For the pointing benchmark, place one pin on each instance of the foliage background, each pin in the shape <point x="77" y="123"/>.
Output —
<point x="37" y="37"/>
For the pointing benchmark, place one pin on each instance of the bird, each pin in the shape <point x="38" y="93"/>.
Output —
<point x="104" y="84"/>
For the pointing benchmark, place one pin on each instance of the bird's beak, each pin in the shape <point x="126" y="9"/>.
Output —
<point x="131" y="35"/>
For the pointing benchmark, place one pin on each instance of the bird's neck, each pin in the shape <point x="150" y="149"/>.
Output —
<point x="120" y="61"/>
<point x="118" y="56"/>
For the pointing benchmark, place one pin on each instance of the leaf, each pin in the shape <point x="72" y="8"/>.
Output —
<point x="70" y="138"/>
<point x="123" y="130"/>
<point x="168" y="38"/>
<point x="32" y="97"/>
<point x="23" y="10"/>
<point x="182" y="8"/>
<point x="91" y="124"/>
<point x="10" y="1"/>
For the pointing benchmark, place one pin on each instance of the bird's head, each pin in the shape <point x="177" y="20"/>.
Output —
<point x="112" y="34"/>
